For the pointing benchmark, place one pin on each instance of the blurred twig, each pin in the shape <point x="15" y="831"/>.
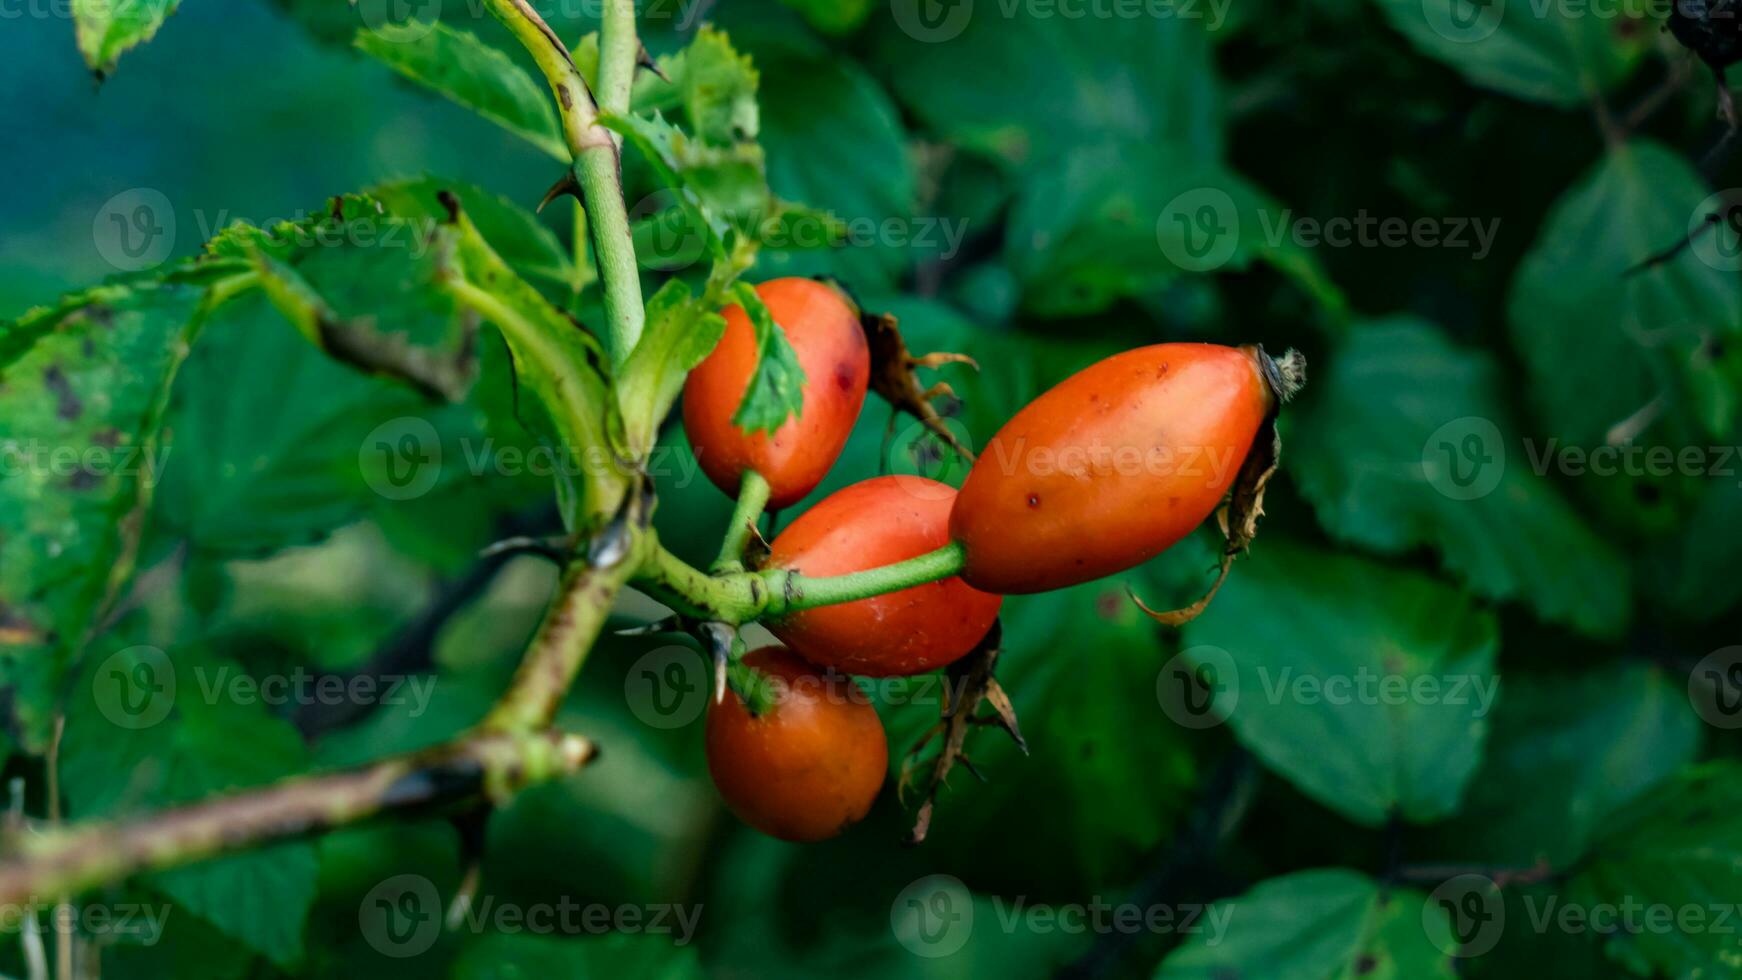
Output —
<point x="1219" y="811"/>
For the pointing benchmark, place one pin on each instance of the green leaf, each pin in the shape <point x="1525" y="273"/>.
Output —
<point x="1568" y="750"/>
<point x="680" y="333"/>
<point x="269" y="437"/>
<point x="1146" y="82"/>
<point x="108" y="28"/>
<point x="1549" y="53"/>
<point x="516" y="234"/>
<point x="517" y="957"/>
<point x="82" y="394"/>
<point x="454" y="63"/>
<point x="721" y="189"/>
<point x="1696" y="572"/>
<point x="776" y="390"/>
<point x="1607" y="350"/>
<point x="1083" y="234"/>
<point x="1317" y="925"/>
<point x="712" y="84"/>
<point x="1676" y="848"/>
<point x="147" y="728"/>
<point x="835" y="141"/>
<point x="1366" y="686"/>
<point x="1370" y="451"/>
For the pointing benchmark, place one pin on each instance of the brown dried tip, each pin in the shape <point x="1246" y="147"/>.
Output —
<point x="894" y="377"/>
<point x="1237" y="517"/>
<point x="968" y="684"/>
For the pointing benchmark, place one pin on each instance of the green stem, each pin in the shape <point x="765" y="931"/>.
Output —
<point x="752" y="500"/>
<point x="595" y="151"/>
<point x="618" y="54"/>
<point x="742" y="597"/>
<point x="613" y="250"/>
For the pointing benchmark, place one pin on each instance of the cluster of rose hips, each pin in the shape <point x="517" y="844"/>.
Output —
<point x="813" y="762"/>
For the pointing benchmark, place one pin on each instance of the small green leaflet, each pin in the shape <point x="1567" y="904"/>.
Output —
<point x="107" y="28"/>
<point x="1317" y="925"/>
<point x="713" y="84"/>
<point x="1367" y="686"/>
<point x="776" y="389"/>
<point x="1551" y="53"/>
<point x="456" y="64"/>
<point x="680" y="333"/>
<point x="1405" y="441"/>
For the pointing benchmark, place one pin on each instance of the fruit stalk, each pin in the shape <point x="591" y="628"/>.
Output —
<point x="741" y="597"/>
<point x="752" y="500"/>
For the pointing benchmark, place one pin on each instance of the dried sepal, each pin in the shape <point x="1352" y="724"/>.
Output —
<point x="894" y="377"/>
<point x="969" y="683"/>
<point x="1237" y="517"/>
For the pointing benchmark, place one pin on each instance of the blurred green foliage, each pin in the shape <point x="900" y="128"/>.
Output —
<point x="1451" y="209"/>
